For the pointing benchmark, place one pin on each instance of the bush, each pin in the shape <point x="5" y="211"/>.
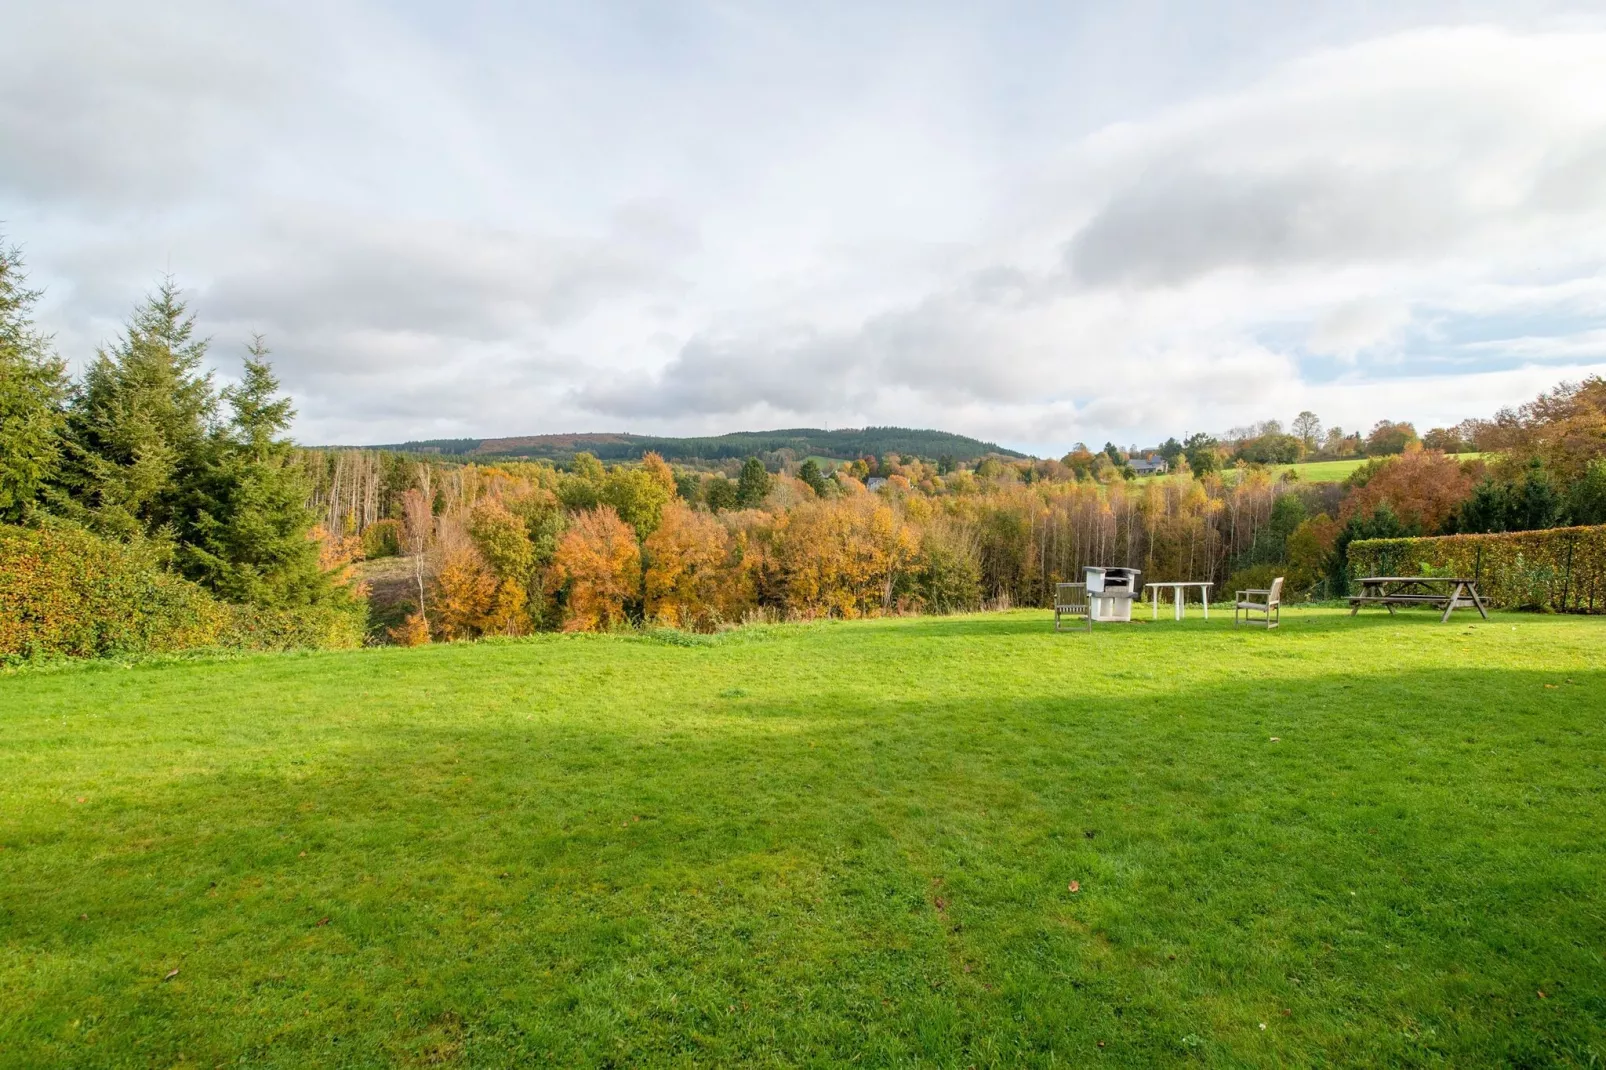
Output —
<point x="1562" y="569"/>
<point x="1256" y="578"/>
<point x="67" y="593"/>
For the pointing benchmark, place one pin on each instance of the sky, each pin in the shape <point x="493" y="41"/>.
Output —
<point x="1034" y="223"/>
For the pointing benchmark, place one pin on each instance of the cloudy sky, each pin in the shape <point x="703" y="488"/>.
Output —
<point x="1031" y="223"/>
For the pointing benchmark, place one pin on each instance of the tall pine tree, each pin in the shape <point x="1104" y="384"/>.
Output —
<point x="139" y="425"/>
<point x="33" y="385"/>
<point x="246" y="535"/>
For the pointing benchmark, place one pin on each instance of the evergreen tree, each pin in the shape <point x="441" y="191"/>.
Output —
<point x="139" y="426"/>
<point x="810" y="473"/>
<point x="1586" y="501"/>
<point x="32" y="386"/>
<point x="244" y="531"/>
<point x="753" y="486"/>
<point x="1382" y="524"/>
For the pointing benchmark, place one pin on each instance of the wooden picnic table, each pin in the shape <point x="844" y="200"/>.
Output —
<point x="1451" y="592"/>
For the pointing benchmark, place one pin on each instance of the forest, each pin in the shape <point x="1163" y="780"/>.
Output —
<point x="146" y="456"/>
<point x="774" y="447"/>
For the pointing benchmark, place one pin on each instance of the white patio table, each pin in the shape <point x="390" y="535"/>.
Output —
<point x="1154" y="596"/>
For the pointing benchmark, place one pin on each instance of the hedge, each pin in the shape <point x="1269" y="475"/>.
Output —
<point x="64" y="592"/>
<point x="1562" y="569"/>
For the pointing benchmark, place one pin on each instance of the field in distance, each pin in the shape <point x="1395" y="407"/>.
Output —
<point x="967" y="840"/>
<point x="1337" y="471"/>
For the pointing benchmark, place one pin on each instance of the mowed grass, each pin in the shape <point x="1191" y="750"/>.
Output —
<point x="1363" y="841"/>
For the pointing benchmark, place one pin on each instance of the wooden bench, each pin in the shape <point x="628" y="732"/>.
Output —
<point x="1070" y="599"/>
<point x="1449" y="592"/>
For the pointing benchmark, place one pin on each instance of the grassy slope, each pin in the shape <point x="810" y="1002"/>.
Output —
<point x="806" y="844"/>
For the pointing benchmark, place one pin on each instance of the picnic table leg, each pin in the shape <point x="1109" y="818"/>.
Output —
<point x="1154" y="603"/>
<point x="1179" y="601"/>
<point x="1478" y="601"/>
<point x="1205" y="590"/>
<point x="1450" y="607"/>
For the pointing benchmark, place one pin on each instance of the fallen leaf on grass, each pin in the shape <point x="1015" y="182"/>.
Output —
<point x="303" y="854"/>
<point x="322" y="922"/>
<point x="171" y="974"/>
<point x="1548" y="687"/>
<point x="1075" y="886"/>
<point x="1542" y="994"/>
<point x="1276" y="739"/>
<point x="82" y="799"/>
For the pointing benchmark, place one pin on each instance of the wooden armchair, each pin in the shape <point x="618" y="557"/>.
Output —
<point x="1071" y="599"/>
<point x="1269" y="610"/>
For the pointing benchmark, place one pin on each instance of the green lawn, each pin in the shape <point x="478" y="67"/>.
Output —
<point x="1362" y="841"/>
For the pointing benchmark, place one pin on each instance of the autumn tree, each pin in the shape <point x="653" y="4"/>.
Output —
<point x="1423" y="489"/>
<point x="1387" y="439"/>
<point x="599" y="564"/>
<point x="689" y="581"/>
<point x="1307" y="427"/>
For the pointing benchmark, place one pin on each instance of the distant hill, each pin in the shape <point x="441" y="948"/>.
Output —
<point x="843" y="444"/>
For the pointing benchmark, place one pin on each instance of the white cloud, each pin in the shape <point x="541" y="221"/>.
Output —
<point x="733" y="217"/>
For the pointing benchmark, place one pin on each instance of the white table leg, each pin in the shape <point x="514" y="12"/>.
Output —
<point x="1178" y="589"/>
<point x="1206" y="590"/>
<point x="1154" y="603"/>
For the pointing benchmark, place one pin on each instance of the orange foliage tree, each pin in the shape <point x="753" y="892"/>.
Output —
<point x="1424" y="488"/>
<point x="690" y="581"/>
<point x="598" y="561"/>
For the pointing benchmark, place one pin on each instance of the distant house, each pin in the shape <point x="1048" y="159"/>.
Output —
<point x="1152" y="465"/>
<point x="875" y="483"/>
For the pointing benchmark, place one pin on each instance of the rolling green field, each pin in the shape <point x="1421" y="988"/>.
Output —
<point x="953" y="841"/>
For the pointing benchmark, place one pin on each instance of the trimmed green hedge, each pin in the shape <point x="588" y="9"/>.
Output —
<point x="1562" y="569"/>
<point x="66" y="593"/>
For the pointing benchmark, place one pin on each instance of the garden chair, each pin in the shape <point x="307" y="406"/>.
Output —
<point x="1071" y="599"/>
<point x="1269" y="609"/>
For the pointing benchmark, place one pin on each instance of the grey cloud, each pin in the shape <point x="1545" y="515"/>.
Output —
<point x="434" y="278"/>
<point x="114" y="104"/>
<point x="943" y="348"/>
<point x="710" y="377"/>
<point x="1171" y="228"/>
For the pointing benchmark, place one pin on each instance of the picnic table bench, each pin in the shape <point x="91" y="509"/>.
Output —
<point x="1451" y="592"/>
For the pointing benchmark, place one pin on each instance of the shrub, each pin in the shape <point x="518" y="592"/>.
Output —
<point x="1562" y="568"/>
<point x="65" y="592"/>
<point x="1256" y="578"/>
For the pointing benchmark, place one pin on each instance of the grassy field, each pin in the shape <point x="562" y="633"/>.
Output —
<point x="1338" y="471"/>
<point x="961" y="841"/>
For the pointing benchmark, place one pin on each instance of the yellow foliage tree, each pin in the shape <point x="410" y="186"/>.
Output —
<point x="690" y="582"/>
<point x="843" y="558"/>
<point x="599" y="561"/>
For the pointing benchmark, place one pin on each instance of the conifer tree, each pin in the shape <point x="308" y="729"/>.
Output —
<point x="139" y="425"/>
<point x="244" y="529"/>
<point x="753" y="485"/>
<point x="32" y="387"/>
